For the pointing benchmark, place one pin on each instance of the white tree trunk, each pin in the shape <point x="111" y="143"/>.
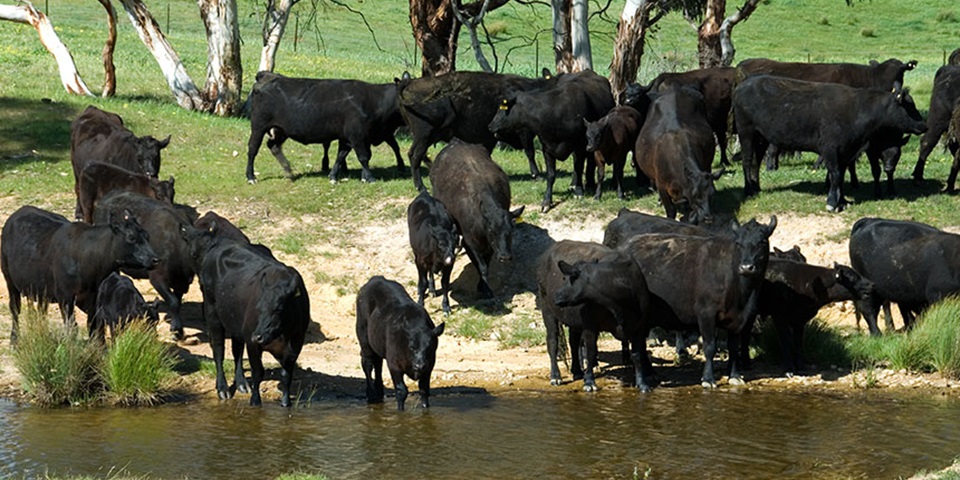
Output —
<point x="727" y="52"/>
<point x="562" y="53"/>
<point x="26" y="13"/>
<point x="628" y="47"/>
<point x="278" y="12"/>
<point x="224" y="71"/>
<point x="182" y="86"/>
<point x="580" y="36"/>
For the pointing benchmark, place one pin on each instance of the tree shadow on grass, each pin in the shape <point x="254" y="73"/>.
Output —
<point x="33" y="131"/>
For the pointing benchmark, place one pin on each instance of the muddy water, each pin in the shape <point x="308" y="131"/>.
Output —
<point x="678" y="433"/>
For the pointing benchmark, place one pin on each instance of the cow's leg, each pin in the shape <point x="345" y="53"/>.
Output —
<point x="668" y="205"/>
<point x="340" y="164"/>
<point x="875" y="171"/>
<point x="483" y="284"/>
<point x="579" y="160"/>
<point x="709" y="351"/>
<point x="372" y="367"/>
<point x="835" y="199"/>
<point x="253" y="146"/>
<point x="424" y="384"/>
<point x="363" y="155"/>
<point x="552" y="325"/>
<point x="600" y="165"/>
<point x="276" y="148"/>
<point x="325" y="162"/>
<point x="172" y="301"/>
<point x="287" y="364"/>
<point x="418" y="151"/>
<point x="431" y="283"/>
<point x="928" y="142"/>
<point x="531" y="153"/>
<point x="644" y="376"/>
<point x="954" y="168"/>
<point x="772" y="154"/>
<point x="753" y="146"/>
<point x="733" y="344"/>
<point x="392" y="142"/>
<point x="618" y="164"/>
<point x="67" y="311"/>
<point x="254" y="353"/>
<point x="784" y="335"/>
<point x="445" y="285"/>
<point x="797" y="347"/>
<point x="576" y="362"/>
<point x="399" y="386"/>
<point x="15" y="299"/>
<point x="721" y="133"/>
<point x="589" y="342"/>
<point x="239" y="380"/>
<point x="217" y="345"/>
<point x="550" y="164"/>
<point x="421" y="284"/>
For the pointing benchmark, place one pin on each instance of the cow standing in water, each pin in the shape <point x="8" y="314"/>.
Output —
<point x="392" y="327"/>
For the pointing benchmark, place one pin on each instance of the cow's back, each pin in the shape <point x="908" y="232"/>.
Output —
<point x="463" y="173"/>
<point x="550" y="279"/>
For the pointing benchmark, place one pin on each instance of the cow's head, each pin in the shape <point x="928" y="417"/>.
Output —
<point x="447" y="239"/>
<point x="595" y="132"/>
<point x="907" y="119"/>
<point x="163" y="189"/>
<point x="500" y="224"/>
<point x="701" y="190"/>
<point x="136" y="251"/>
<point x="637" y="96"/>
<point x="422" y="343"/>
<point x="503" y="122"/>
<point x="198" y="241"/>
<point x="148" y="153"/>
<point x="279" y="298"/>
<point x="753" y="245"/>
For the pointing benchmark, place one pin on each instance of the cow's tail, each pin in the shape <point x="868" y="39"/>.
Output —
<point x="953" y="133"/>
<point x="562" y="347"/>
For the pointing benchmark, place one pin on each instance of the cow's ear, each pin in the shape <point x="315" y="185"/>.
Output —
<point x="515" y="214"/>
<point x="566" y="268"/>
<point x="163" y="143"/>
<point x="439" y="330"/>
<point x="911" y="64"/>
<point x="546" y="73"/>
<point x="778" y="251"/>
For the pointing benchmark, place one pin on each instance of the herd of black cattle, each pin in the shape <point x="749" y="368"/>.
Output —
<point x="698" y="274"/>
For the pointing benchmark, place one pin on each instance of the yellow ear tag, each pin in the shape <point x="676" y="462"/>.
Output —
<point x="503" y="107"/>
<point x="518" y="220"/>
<point x="548" y="77"/>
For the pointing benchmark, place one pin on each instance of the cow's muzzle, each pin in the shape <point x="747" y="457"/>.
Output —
<point x="747" y="269"/>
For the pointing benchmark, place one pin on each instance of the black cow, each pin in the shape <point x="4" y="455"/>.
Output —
<point x="911" y="263"/>
<point x="47" y="258"/>
<point x="172" y="276"/>
<point x="833" y="120"/>
<point x="98" y="135"/>
<point x="886" y="75"/>
<point x="792" y="294"/>
<point x="459" y="105"/>
<point x="610" y="139"/>
<point x="556" y="116"/>
<point x="954" y="58"/>
<point x="251" y="299"/>
<point x="434" y="239"/>
<point x="308" y="110"/>
<point x="630" y="223"/>
<point x="392" y="327"/>
<point x="98" y="178"/>
<point x="118" y="303"/>
<point x="725" y="291"/>
<point x="591" y="289"/>
<point x="716" y="85"/>
<point x="675" y="150"/>
<point x="943" y="101"/>
<point x="476" y="192"/>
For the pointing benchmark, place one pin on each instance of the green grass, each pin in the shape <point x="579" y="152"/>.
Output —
<point x="137" y="365"/>
<point x="57" y="366"/>
<point x="823" y="345"/>
<point x="522" y="331"/>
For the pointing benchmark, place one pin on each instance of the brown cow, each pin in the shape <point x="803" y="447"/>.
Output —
<point x="98" y="178"/>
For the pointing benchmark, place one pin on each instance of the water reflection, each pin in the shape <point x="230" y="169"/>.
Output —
<point x="677" y="433"/>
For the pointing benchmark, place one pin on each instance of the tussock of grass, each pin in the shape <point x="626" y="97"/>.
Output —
<point x="522" y="332"/>
<point x="136" y="366"/>
<point x="823" y="345"/>
<point x="56" y="365"/>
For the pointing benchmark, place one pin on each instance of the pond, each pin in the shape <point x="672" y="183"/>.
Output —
<point x="678" y="433"/>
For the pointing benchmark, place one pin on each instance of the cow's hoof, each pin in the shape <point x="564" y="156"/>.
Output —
<point x="224" y="394"/>
<point x="644" y="388"/>
<point x="370" y="179"/>
<point x="737" y="381"/>
<point x="706" y="384"/>
<point x="590" y="387"/>
<point x="555" y="382"/>
<point x="252" y="181"/>
<point x="788" y="374"/>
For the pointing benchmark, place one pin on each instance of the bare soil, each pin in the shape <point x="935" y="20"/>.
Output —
<point x="330" y="361"/>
